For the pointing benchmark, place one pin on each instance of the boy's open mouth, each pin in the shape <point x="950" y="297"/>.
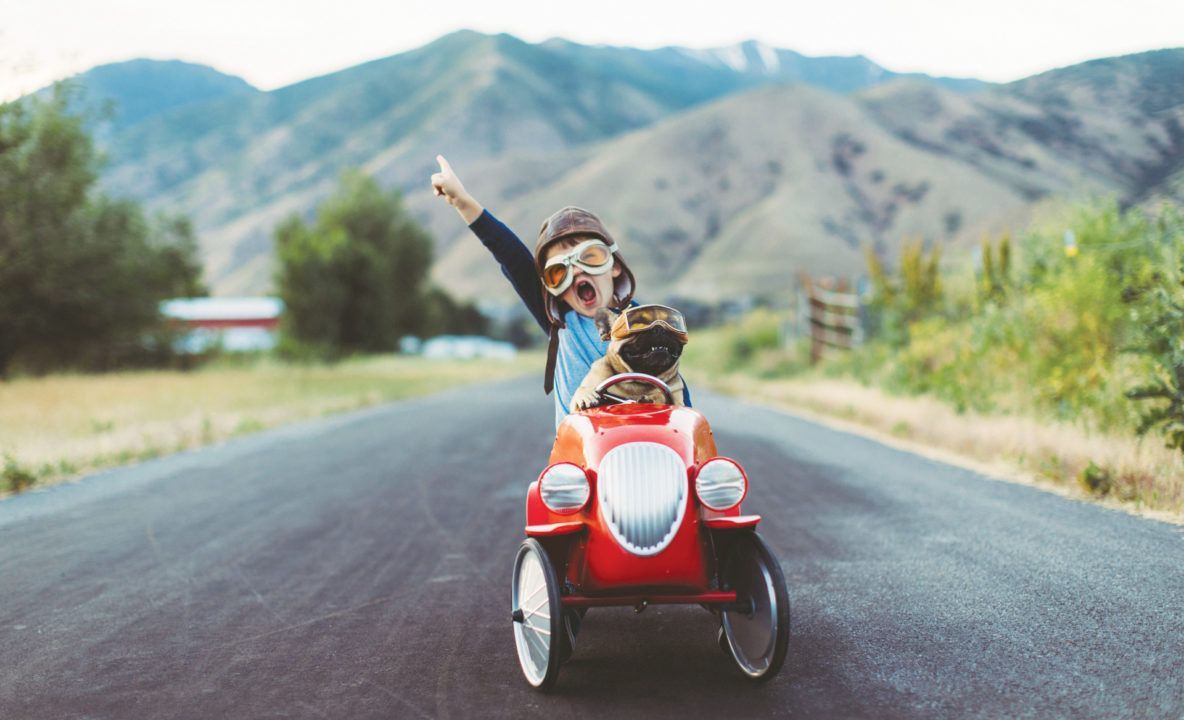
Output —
<point x="586" y="291"/>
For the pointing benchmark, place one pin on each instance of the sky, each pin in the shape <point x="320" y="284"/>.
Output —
<point x="272" y="43"/>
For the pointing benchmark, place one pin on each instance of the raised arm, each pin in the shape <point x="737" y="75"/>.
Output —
<point x="448" y="186"/>
<point x="516" y="260"/>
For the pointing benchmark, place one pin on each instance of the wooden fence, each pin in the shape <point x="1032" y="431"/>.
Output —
<point x="829" y="311"/>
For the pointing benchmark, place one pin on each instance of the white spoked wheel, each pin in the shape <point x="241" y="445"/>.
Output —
<point x="534" y="599"/>
<point x="758" y="633"/>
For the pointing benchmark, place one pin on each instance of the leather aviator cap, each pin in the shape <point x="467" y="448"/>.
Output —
<point x="574" y="222"/>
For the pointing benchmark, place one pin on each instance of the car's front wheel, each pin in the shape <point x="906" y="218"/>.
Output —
<point x="757" y="629"/>
<point x="536" y="613"/>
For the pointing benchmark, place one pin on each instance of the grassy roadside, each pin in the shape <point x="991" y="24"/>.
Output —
<point x="1139" y="476"/>
<point x="1117" y="470"/>
<point x="57" y="427"/>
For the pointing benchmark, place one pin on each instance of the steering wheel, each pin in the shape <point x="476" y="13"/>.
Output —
<point x="602" y="388"/>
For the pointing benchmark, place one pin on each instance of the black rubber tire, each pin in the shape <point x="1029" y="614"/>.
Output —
<point x="749" y="551"/>
<point x="570" y="627"/>
<point x="555" y="611"/>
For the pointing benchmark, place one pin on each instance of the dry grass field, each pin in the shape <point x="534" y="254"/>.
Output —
<point x="56" y="427"/>
<point x="1143" y="475"/>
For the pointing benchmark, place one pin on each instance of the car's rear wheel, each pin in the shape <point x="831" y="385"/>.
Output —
<point x="757" y="634"/>
<point x="536" y="612"/>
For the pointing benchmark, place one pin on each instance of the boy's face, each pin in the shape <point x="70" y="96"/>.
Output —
<point x="587" y="293"/>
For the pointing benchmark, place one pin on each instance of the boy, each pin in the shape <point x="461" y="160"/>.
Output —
<point x="576" y="269"/>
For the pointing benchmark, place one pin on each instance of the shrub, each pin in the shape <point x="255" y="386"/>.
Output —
<point x="914" y="293"/>
<point x="754" y="344"/>
<point x="1157" y="313"/>
<point x="760" y="330"/>
<point x="1096" y="479"/>
<point x="16" y="476"/>
<point x="995" y="278"/>
<point x="1040" y="333"/>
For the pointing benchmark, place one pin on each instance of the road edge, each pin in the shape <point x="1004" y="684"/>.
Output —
<point x="1001" y="471"/>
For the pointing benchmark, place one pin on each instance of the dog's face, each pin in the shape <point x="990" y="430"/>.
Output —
<point x="653" y="351"/>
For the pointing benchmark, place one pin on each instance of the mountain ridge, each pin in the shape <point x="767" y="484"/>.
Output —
<point x="120" y="95"/>
<point x="529" y="126"/>
<point x="988" y="159"/>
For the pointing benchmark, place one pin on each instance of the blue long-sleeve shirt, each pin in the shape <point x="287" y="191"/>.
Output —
<point x="579" y="342"/>
<point x="517" y="263"/>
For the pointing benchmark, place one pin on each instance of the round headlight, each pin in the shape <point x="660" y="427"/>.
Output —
<point x="721" y="484"/>
<point x="564" y="488"/>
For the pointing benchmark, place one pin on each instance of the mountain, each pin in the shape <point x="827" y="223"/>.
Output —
<point x="737" y="196"/>
<point x="240" y="163"/>
<point x="742" y="194"/>
<point x="836" y="73"/>
<point x="752" y="62"/>
<point x="1125" y="113"/>
<point x="134" y="91"/>
<point x="1115" y="122"/>
<point x="723" y="170"/>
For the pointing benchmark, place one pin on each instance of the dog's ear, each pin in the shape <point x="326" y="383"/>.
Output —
<point x="604" y="321"/>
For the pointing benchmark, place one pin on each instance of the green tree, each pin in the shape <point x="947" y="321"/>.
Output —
<point x="81" y="274"/>
<point x="443" y="314"/>
<point x="353" y="281"/>
<point x="1157" y="311"/>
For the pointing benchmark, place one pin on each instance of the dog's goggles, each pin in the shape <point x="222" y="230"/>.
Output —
<point x="592" y="256"/>
<point x="644" y="317"/>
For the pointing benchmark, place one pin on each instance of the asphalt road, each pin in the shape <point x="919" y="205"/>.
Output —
<point x="359" y="567"/>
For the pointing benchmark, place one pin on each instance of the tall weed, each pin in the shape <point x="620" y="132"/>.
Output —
<point x="1038" y="330"/>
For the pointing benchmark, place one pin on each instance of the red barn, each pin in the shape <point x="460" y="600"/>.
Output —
<point x="234" y="324"/>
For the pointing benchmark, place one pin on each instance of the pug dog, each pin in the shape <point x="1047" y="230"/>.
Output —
<point x="653" y="350"/>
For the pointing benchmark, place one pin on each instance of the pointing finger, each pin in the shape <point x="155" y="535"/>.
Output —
<point x="444" y="166"/>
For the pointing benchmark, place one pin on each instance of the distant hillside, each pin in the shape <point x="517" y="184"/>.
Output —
<point x="130" y="92"/>
<point x="738" y="196"/>
<point x="723" y="170"/>
<point x="1125" y="116"/>
<point x="741" y="195"/>
<point x="240" y="163"/>
<point x="1116" y="121"/>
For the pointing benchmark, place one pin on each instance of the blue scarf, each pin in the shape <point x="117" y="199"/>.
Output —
<point x="579" y="346"/>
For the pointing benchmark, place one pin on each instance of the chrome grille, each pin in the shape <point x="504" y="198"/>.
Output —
<point x="642" y="493"/>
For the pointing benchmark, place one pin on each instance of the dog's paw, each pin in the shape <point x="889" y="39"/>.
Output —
<point x="584" y="401"/>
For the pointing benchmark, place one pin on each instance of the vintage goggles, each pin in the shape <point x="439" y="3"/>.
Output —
<point x="592" y="256"/>
<point x="644" y="317"/>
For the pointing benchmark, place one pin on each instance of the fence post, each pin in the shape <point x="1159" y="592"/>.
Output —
<point x="833" y="313"/>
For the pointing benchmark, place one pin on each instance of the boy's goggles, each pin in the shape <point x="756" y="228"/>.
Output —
<point x="644" y="317"/>
<point x="592" y="256"/>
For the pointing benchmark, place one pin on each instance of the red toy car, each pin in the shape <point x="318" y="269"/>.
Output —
<point x="636" y="508"/>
